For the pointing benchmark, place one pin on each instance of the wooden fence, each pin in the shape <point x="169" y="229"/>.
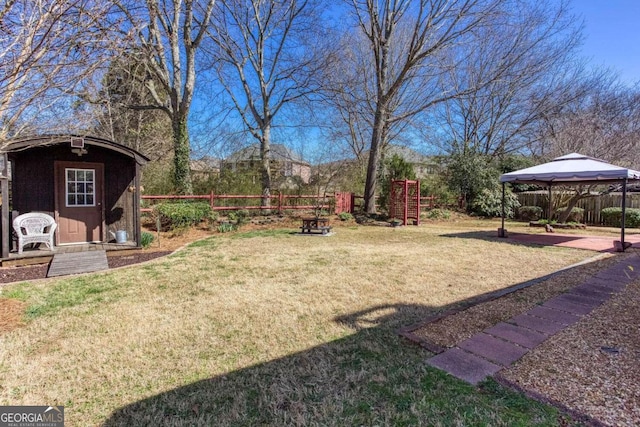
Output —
<point x="336" y="203"/>
<point x="279" y="202"/>
<point x="592" y="206"/>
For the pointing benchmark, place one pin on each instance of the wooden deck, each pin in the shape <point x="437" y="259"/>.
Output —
<point x="42" y="255"/>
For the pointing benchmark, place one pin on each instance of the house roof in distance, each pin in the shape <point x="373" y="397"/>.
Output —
<point x="572" y="168"/>
<point x="279" y="152"/>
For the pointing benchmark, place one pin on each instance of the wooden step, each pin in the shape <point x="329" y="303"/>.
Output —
<point x="78" y="262"/>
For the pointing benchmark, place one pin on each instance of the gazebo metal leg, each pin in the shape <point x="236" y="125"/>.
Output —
<point x="502" y="233"/>
<point x="624" y="208"/>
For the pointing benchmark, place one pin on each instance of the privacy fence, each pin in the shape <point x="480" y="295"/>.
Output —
<point x="592" y="206"/>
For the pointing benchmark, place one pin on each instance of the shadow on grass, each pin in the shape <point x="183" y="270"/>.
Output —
<point x="520" y="239"/>
<point x="372" y="377"/>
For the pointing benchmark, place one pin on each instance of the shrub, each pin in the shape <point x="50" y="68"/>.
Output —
<point x="345" y="216"/>
<point x="239" y="217"/>
<point x="226" y="227"/>
<point x="180" y="215"/>
<point x="613" y="217"/>
<point x="489" y="203"/>
<point x="438" y="214"/>
<point x="436" y="185"/>
<point x="243" y="216"/>
<point x="530" y="213"/>
<point x="395" y="168"/>
<point x="211" y="219"/>
<point x="576" y="215"/>
<point x="146" y="239"/>
<point x="476" y="178"/>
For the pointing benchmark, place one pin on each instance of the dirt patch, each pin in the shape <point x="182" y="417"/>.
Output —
<point x="167" y="244"/>
<point x="11" y="314"/>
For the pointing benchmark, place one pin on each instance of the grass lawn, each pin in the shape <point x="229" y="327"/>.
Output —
<point x="267" y="327"/>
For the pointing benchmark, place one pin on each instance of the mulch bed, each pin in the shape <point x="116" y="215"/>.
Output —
<point x="33" y="272"/>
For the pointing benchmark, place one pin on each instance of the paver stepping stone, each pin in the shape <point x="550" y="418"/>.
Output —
<point x="568" y="303"/>
<point x="553" y="314"/>
<point x="592" y="287"/>
<point x="612" y="285"/>
<point x="485" y="353"/>
<point x="590" y="293"/>
<point x="614" y="275"/>
<point x="463" y="365"/>
<point x="546" y="326"/>
<point x="517" y="334"/>
<point x="580" y="299"/>
<point x="495" y="349"/>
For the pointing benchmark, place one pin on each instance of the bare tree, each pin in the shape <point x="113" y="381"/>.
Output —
<point x="47" y="49"/>
<point x="518" y="69"/>
<point x="406" y="39"/>
<point x="170" y="33"/>
<point x="266" y="60"/>
<point x="604" y="123"/>
<point x="349" y="82"/>
<point x="112" y="109"/>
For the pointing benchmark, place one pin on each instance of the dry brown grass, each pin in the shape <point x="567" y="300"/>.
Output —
<point x="228" y="304"/>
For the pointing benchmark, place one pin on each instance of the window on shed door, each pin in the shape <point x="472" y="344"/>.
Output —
<point x="80" y="187"/>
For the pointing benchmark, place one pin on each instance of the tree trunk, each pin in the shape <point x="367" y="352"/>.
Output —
<point x="265" y="170"/>
<point x="573" y="201"/>
<point x="181" y="159"/>
<point x="374" y="160"/>
<point x="562" y="218"/>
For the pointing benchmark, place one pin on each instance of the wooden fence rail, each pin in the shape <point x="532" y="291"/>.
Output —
<point x="279" y="202"/>
<point x="592" y="206"/>
<point x="339" y="202"/>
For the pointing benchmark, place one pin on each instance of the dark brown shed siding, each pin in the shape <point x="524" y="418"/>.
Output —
<point x="33" y="184"/>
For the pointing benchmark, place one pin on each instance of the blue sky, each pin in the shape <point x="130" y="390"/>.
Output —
<point x="612" y="35"/>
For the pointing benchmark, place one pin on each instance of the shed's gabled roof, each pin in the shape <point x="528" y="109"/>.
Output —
<point x="571" y="168"/>
<point x="27" y="142"/>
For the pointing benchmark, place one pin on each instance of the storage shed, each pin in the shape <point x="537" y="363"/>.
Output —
<point x="90" y="185"/>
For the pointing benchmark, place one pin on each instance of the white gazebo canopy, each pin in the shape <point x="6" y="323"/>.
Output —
<point x="572" y="169"/>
